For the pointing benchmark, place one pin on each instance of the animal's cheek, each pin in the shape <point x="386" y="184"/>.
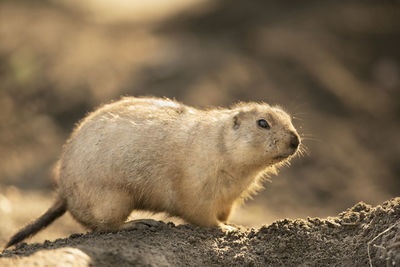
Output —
<point x="275" y="143"/>
<point x="269" y="145"/>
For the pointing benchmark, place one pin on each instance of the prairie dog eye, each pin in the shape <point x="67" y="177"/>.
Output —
<point x="263" y="124"/>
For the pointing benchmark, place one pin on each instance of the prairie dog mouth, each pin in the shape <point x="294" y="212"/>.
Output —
<point x="282" y="157"/>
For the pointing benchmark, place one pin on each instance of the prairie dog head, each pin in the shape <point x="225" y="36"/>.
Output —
<point x="261" y="135"/>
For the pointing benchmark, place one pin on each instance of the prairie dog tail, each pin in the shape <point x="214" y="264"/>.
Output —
<point x="55" y="211"/>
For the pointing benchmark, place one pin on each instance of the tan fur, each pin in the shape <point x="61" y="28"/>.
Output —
<point x="160" y="155"/>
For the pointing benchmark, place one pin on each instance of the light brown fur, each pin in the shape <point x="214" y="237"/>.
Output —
<point x="160" y="155"/>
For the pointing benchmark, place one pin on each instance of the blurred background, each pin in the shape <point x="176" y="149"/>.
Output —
<point x="334" y="65"/>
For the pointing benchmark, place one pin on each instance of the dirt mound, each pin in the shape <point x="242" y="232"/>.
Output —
<point x="359" y="236"/>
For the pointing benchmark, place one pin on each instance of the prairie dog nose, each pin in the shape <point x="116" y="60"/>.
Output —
<point x="294" y="140"/>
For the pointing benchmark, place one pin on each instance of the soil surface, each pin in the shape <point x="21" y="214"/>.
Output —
<point x="360" y="236"/>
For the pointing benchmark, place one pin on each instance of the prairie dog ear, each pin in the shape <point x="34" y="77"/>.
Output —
<point x="237" y="119"/>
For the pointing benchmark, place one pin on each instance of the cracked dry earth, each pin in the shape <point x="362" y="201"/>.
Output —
<point x="360" y="236"/>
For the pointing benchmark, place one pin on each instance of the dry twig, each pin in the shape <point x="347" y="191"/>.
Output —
<point x="370" y="242"/>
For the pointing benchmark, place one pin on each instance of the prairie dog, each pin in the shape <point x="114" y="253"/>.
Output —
<point x="160" y="155"/>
